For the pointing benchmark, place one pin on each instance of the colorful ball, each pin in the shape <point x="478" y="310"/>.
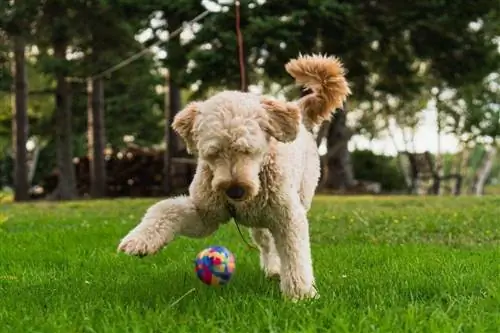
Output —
<point x="215" y="265"/>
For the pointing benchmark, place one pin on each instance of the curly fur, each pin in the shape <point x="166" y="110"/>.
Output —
<point x="325" y="76"/>
<point x="262" y="146"/>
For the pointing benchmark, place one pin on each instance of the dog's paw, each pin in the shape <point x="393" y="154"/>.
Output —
<point x="296" y="292"/>
<point x="138" y="246"/>
<point x="271" y="267"/>
<point x="272" y="274"/>
<point x="272" y="271"/>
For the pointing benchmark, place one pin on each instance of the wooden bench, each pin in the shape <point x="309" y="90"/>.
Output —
<point x="422" y="168"/>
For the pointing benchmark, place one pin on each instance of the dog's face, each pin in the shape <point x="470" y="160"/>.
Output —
<point x="231" y="133"/>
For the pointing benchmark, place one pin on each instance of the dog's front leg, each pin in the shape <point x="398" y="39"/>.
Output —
<point x="291" y="234"/>
<point x="162" y="222"/>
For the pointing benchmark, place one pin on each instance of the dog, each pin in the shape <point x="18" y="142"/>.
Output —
<point x="257" y="161"/>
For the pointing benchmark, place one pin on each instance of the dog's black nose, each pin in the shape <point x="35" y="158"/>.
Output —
<point x="235" y="192"/>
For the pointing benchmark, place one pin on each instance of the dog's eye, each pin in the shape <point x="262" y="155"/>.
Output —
<point x="211" y="154"/>
<point x="246" y="151"/>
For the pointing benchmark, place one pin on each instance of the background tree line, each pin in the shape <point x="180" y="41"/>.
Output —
<point x="401" y="57"/>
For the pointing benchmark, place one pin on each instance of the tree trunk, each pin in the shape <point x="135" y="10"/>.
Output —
<point x="400" y="156"/>
<point x="439" y="156"/>
<point x="174" y="50"/>
<point x="174" y="105"/>
<point x="322" y="132"/>
<point x="176" y="175"/>
<point x="20" y="126"/>
<point x="474" y="172"/>
<point x="96" y="138"/>
<point x="64" y="133"/>
<point x="167" y="157"/>
<point x="484" y="171"/>
<point x="32" y="162"/>
<point x="461" y="164"/>
<point x="340" y="175"/>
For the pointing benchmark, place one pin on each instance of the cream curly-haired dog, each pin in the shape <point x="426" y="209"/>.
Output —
<point x="257" y="162"/>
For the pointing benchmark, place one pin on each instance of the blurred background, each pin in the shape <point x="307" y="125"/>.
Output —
<point x="88" y="90"/>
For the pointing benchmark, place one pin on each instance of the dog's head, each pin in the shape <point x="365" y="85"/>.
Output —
<point x="231" y="133"/>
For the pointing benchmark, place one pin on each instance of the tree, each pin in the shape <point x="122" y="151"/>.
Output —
<point x="105" y="43"/>
<point x="20" y="119"/>
<point x="472" y="113"/>
<point x="40" y="113"/>
<point x="170" y="17"/>
<point x="277" y="31"/>
<point x="16" y="23"/>
<point x="55" y="33"/>
<point x="133" y="107"/>
<point x="213" y="52"/>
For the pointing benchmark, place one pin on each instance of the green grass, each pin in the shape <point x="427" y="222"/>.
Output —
<point x="382" y="265"/>
<point x="492" y="189"/>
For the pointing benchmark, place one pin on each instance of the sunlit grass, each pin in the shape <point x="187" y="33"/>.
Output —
<point x="382" y="264"/>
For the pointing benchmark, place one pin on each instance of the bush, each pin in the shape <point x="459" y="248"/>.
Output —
<point x="6" y="170"/>
<point x="378" y="168"/>
<point x="6" y="196"/>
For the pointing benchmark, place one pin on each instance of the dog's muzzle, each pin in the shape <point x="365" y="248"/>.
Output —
<point x="236" y="192"/>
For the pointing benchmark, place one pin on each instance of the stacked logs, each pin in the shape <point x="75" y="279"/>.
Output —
<point x="131" y="172"/>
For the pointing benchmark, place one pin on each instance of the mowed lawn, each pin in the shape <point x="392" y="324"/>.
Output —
<point x="382" y="264"/>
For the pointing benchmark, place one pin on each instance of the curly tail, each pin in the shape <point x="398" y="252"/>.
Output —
<point x="325" y="76"/>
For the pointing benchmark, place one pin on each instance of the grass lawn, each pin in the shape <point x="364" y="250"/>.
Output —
<point x="382" y="265"/>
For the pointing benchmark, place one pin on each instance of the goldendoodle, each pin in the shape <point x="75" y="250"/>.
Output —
<point x="258" y="163"/>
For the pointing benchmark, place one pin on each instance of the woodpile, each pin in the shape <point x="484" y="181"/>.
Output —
<point x="131" y="172"/>
<point x="359" y="187"/>
<point x="137" y="171"/>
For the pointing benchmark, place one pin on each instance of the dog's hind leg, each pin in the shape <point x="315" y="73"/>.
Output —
<point x="269" y="257"/>
<point x="162" y="222"/>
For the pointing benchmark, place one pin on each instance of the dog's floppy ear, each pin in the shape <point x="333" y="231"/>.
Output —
<point x="183" y="125"/>
<point x="282" y="119"/>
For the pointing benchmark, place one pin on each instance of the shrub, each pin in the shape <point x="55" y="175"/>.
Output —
<point x="378" y="168"/>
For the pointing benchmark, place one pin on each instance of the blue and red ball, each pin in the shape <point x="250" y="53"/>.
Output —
<point x="215" y="265"/>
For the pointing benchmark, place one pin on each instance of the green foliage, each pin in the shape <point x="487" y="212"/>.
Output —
<point x="19" y="18"/>
<point x="97" y="30"/>
<point x="40" y="107"/>
<point x="5" y="72"/>
<point x="394" y="53"/>
<point x="371" y="38"/>
<point x="5" y="119"/>
<point x="473" y="112"/>
<point x="6" y="171"/>
<point x="132" y="106"/>
<point x="445" y="25"/>
<point x="378" y="168"/>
